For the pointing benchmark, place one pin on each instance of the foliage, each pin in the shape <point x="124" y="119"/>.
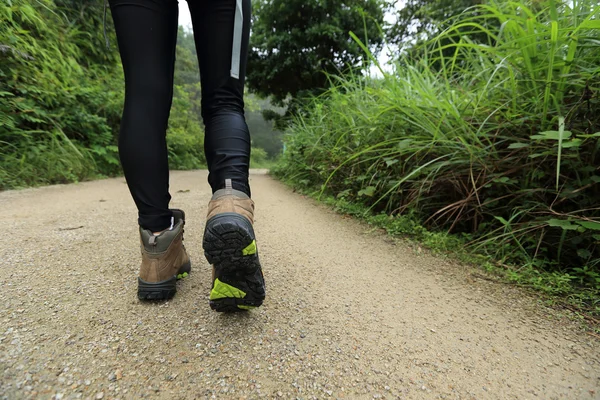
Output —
<point x="186" y="65"/>
<point x="57" y="115"/>
<point x="419" y="20"/>
<point x="185" y="136"/>
<point x="297" y="43"/>
<point x="262" y="131"/>
<point x="258" y="158"/>
<point x="498" y="143"/>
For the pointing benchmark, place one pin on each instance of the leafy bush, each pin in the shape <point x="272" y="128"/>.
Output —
<point x="185" y="136"/>
<point x="258" y="157"/>
<point x="495" y="139"/>
<point x="57" y="116"/>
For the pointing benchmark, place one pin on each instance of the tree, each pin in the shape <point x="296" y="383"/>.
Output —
<point x="296" y="43"/>
<point x="419" y="20"/>
<point x="263" y="132"/>
<point x="186" y="64"/>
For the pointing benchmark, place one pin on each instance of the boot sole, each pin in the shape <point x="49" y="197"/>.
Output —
<point x="163" y="290"/>
<point x="230" y="246"/>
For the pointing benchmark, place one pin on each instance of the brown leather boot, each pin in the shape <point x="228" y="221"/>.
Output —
<point x="164" y="260"/>
<point x="230" y="246"/>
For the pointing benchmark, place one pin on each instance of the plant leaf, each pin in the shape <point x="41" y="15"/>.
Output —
<point x="552" y="135"/>
<point x="390" y="161"/>
<point x="564" y="224"/>
<point x="593" y="225"/>
<point x="584" y="253"/>
<point x="368" y="191"/>
<point x="591" y="24"/>
<point x="518" y="145"/>
<point x="571" y="143"/>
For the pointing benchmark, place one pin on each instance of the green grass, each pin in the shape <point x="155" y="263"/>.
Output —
<point x="488" y="134"/>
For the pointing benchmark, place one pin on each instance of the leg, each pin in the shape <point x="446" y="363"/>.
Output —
<point x="222" y="28"/>
<point x="221" y="31"/>
<point x="147" y="35"/>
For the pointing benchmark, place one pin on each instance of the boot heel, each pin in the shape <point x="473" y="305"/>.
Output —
<point x="164" y="290"/>
<point x="229" y="242"/>
<point x="230" y="246"/>
<point x="164" y="260"/>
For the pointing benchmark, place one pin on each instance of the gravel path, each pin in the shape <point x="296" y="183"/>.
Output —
<point x="349" y="312"/>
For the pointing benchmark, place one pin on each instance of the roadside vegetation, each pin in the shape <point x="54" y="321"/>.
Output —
<point x="484" y="141"/>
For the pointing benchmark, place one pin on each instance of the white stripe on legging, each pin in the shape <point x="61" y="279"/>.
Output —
<point x="236" y="50"/>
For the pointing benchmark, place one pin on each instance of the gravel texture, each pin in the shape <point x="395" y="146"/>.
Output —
<point x="350" y="313"/>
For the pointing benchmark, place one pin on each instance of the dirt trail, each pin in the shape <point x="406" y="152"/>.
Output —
<point x="349" y="313"/>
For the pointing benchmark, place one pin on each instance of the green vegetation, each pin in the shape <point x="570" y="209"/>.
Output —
<point x="491" y="143"/>
<point x="263" y="132"/>
<point x="418" y="20"/>
<point x="58" y="96"/>
<point x="296" y="43"/>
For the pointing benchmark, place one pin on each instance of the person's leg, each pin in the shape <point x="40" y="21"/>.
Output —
<point x="221" y="31"/>
<point x="147" y="36"/>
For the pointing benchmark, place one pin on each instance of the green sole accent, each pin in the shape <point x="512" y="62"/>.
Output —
<point x="251" y="249"/>
<point x="246" y="307"/>
<point x="181" y="276"/>
<point x="222" y="290"/>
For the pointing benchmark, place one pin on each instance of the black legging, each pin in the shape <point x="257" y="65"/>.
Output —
<point x="147" y="36"/>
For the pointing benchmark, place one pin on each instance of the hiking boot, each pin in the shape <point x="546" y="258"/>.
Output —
<point x="164" y="260"/>
<point x="230" y="246"/>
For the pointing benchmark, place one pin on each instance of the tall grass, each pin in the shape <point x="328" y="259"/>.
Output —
<point x="494" y="139"/>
